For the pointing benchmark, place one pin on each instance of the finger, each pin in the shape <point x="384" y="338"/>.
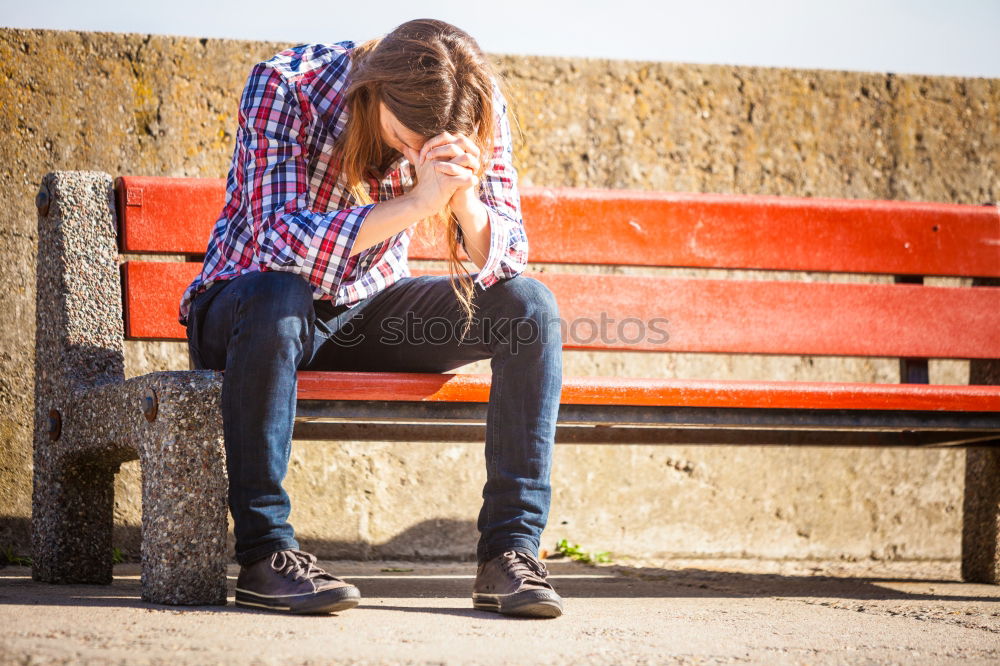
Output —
<point x="444" y="152"/>
<point x="463" y="143"/>
<point x="456" y="183"/>
<point x="460" y="180"/>
<point x="467" y="181"/>
<point x="411" y="155"/>
<point x="468" y="145"/>
<point x="452" y="169"/>
<point x="434" y="142"/>
<point x="466" y="160"/>
<point x="471" y="180"/>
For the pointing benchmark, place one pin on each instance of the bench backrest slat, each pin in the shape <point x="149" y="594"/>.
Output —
<point x="175" y="215"/>
<point x="686" y="315"/>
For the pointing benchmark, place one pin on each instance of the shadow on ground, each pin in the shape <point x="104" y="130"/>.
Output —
<point x="381" y="583"/>
<point x="418" y="578"/>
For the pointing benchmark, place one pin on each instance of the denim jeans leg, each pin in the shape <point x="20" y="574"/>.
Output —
<point x="521" y="418"/>
<point x="259" y="328"/>
<point x="517" y="326"/>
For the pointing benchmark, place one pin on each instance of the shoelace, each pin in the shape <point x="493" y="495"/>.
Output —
<point x="300" y="565"/>
<point x="524" y="566"/>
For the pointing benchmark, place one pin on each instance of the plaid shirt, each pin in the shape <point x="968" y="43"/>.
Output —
<point x="287" y="207"/>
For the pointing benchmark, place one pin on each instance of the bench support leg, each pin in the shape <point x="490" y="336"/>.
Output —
<point x="71" y="522"/>
<point x="184" y="501"/>
<point x="981" y="519"/>
<point x="78" y="344"/>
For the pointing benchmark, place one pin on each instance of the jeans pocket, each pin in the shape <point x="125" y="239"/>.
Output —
<point x="193" y="337"/>
<point x="196" y="315"/>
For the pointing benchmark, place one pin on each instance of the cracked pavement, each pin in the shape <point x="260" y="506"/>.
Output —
<point x="632" y="611"/>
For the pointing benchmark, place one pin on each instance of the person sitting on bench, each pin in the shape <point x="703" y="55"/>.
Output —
<point x="340" y="150"/>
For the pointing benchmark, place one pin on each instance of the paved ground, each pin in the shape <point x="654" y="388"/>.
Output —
<point x="633" y="612"/>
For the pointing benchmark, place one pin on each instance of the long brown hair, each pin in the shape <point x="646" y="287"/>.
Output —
<point x="434" y="78"/>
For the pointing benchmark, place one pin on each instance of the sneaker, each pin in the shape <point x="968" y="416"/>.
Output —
<point x="291" y="582"/>
<point x="513" y="583"/>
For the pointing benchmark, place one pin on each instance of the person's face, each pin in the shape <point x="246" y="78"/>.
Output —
<point x="395" y="134"/>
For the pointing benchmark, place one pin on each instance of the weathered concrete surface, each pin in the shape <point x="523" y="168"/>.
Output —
<point x="165" y="106"/>
<point x="81" y="379"/>
<point x="653" y="612"/>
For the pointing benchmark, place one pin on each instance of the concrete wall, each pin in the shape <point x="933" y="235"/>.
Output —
<point x="165" y="106"/>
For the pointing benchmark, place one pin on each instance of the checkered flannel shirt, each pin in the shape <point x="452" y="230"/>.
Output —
<point x="287" y="207"/>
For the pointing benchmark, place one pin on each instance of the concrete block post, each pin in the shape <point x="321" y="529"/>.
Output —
<point x="981" y="517"/>
<point x="89" y="419"/>
<point x="981" y="507"/>
<point x="171" y="422"/>
<point x="79" y="345"/>
<point x="184" y="489"/>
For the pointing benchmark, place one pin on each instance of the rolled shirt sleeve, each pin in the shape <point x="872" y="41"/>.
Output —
<point x="286" y="234"/>
<point x="508" y="255"/>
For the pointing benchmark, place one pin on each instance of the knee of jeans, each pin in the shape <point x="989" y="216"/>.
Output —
<point x="526" y="298"/>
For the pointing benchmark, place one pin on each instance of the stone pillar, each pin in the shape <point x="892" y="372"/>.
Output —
<point x="981" y="508"/>
<point x="184" y="489"/>
<point x="79" y="345"/>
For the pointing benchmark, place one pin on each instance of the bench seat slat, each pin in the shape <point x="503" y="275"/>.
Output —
<point x="402" y="386"/>
<point x="572" y="225"/>
<point x="724" y="316"/>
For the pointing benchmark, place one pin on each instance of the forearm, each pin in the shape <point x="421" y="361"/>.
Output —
<point x="475" y="224"/>
<point x="386" y="219"/>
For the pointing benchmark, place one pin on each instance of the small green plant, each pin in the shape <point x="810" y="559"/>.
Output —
<point x="574" y="552"/>
<point x="7" y="556"/>
<point x="117" y="556"/>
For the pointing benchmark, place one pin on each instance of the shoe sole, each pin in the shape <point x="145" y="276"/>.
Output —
<point x="530" y="603"/>
<point x="327" y="601"/>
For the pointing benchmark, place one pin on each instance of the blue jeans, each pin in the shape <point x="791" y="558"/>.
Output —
<point x="261" y="327"/>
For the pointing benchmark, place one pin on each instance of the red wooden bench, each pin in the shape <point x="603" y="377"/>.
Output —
<point x="903" y="318"/>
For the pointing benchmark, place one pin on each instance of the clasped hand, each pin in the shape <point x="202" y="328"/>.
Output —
<point x="447" y="173"/>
